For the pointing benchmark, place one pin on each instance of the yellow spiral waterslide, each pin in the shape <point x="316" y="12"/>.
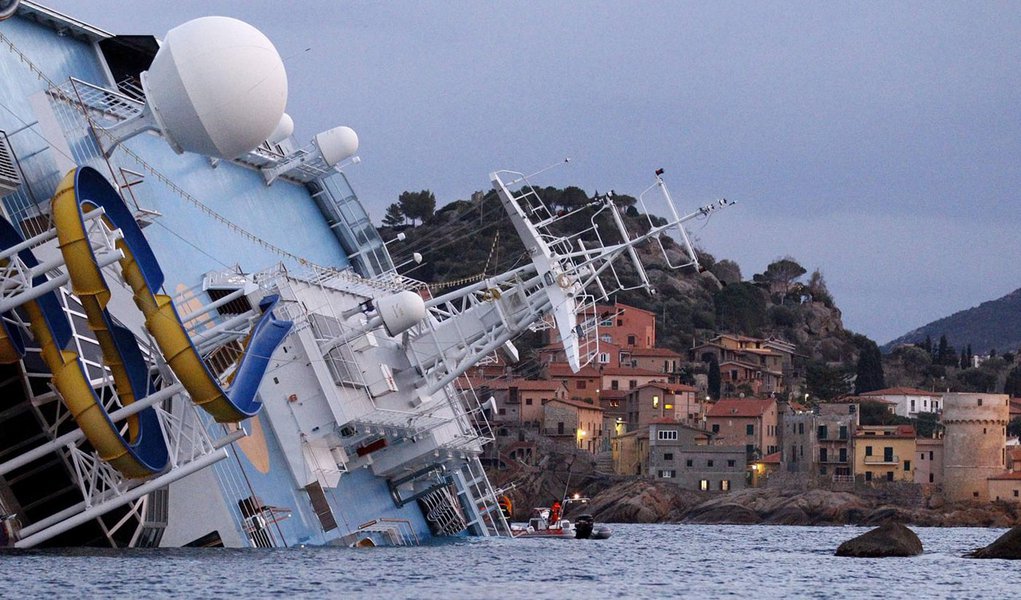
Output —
<point x="143" y="452"/>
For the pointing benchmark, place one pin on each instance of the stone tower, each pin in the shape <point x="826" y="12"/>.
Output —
<point x="974" y="444"/>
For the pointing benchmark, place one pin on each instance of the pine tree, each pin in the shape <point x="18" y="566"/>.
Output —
<point x="715" y="380"/>
<point x="1013" y="384"/>
<point x="394" y="216"/>
<point x="870" y="369"/>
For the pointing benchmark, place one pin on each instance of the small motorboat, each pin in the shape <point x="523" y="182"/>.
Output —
<point x="548" y="522"/>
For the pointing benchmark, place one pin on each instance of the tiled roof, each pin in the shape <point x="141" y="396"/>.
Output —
<point x="562" y="370"/>
<point x="673" y="388"/>
<point x="1007" y="475"/>
<point x="741" y="407"/>
<point x="899" y="432"/>
<point x="771" y="459"/>
<point x="654" y="352"/>
<point x="576" y="404"/>
<point x="522" y="384"/>
<point x="902" y="391"/>
<point x="631" y="371"/>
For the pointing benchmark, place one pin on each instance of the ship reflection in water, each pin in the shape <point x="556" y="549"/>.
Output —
<point x="639" y="561"/>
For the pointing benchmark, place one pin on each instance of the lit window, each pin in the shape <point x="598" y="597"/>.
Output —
<point x="668" y="406"/>
<point x="724" y="485"/>
<point x="666" y="474"/>
<point x="655" y="401"/>
<point x="703" y="485"/>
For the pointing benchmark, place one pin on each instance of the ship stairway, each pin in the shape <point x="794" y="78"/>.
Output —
<point x="54" y="487"/>
<point x="479" y="501"/>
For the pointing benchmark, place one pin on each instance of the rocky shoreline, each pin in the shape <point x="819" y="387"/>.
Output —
<point x="643" y="501"/>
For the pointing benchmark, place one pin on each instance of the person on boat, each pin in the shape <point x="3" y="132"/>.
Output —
<point x="555" y="514"/>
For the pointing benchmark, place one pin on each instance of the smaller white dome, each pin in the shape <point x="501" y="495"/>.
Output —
<point x="337" y="144"/>
<point x="283" y="131"/>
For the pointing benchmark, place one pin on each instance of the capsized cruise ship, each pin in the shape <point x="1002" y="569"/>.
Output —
<point x="204" y="340"/>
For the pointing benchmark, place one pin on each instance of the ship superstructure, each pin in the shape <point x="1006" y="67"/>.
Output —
<point x="205" y="340"/>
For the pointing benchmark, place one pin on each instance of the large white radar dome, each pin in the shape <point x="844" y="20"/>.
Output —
<point x="337" y="144"/>
<point x="217" y="87"/>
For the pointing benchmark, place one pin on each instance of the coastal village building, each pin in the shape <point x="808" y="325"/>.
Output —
<point x="746" y="362"/>
<point x="628" y="378"/>
<point x="580" y="421"/>
<point x="929" y="461"/>
<point x="658" y="360"/>
<point x="686" y="456"/>
<point x="659" y="400"/>
<point x="761" y="469"/>
<point x="884" y="453"/>
<point x="630" y="452"/>
<point x="622" y="325"/>
<point x="583" y="385"/>
<point x="748" y="422"/>
<point x="1005" y="487"/>
<point x="820" y="443"/>
<point x="909" y="401"/>
<point x="520" y="401"/>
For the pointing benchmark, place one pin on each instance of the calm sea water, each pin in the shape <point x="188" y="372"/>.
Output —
<point x="639" y="561"/>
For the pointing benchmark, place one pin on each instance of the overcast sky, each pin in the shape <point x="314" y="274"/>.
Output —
<point x="879" y="143"/>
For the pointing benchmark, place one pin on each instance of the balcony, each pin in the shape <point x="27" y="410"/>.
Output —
<point x="882" y="460"/>
<point x="835" y="460"/>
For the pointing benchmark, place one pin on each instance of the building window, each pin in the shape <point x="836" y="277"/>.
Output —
<point x="560" y="428"/>
<point x="604" y="358"/>
<point x="724" y="485"/>
<point x="843" y="432"/>
<point x="709" y="463"/>
<point x="932" y="478"/>
<point x="632" y="384"/>
<point x="703" y="485"/>
<point x="528" y="401"/>
<point x="980" y="401"/>
<point x="912" y="405"/>
<point x="868" y="475"/>
<point x="606" y="323"/>
<point x="667" y="474"/>
<point x="868" y="450"/>
<point x="716" y="427"/>
<point x="731" y="463"/>
<point x="1015" y="493"/>
<point x="749" y="429"/>
<point x="889" y="475"/>
<point x="821" y="432"/>
<point x="688" y="463"/>
<point x="630" y="340"/>
<point x="907" y="465"/>
<point x="503" y="411"/>
<point x="668" y="456"/>
<point x="614" y="384"/>
<point x="801" y="428"/>
<point x="666" y="434"/>
<point x="606" y="338"/>
<point x="580" y="385"/>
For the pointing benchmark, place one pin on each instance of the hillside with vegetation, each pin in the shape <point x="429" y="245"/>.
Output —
<point x="468" y="239"/>
<point x="990" y="326"/>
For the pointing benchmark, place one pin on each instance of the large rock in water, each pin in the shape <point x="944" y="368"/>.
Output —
<point x="1007" y="545"/>
<point x="892" y="539"/>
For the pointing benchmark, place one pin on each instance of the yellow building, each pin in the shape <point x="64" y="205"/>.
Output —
<point x="884" y="453"/>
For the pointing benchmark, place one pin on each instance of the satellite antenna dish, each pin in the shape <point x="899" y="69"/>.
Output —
<point x="216" y="87"/>
<point x="8" y="8"/>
